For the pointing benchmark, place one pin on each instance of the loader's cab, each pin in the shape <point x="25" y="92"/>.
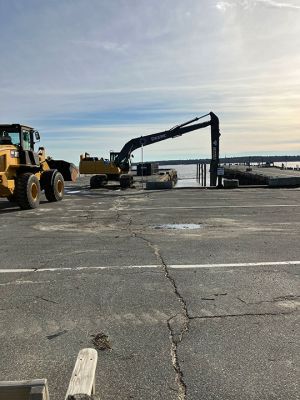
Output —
<point x="17" y="135"/>
<point x="26" y="139"/>
<point x="22" y="138"/>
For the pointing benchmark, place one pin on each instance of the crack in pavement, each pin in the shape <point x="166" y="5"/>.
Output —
<point x="179" y="324"/>
<point x="184" y="325"/>
<point x="278" y="299"/>
<point x="120" y="217"/>
<point x="184" y="320"/>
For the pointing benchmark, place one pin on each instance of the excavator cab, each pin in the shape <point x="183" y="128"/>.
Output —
<point x="113" y="155"/>
<point x="125" y="166"/>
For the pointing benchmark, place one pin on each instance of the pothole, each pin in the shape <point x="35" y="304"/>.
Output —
<point x="178" y="226"/>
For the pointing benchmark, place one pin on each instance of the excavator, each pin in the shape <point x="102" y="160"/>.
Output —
<point x="118" y="166"/>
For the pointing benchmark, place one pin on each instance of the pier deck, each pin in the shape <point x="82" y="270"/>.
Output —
<point x="271" y="176"/>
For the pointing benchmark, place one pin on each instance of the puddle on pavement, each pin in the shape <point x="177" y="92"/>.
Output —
<point x="178" y="226"/>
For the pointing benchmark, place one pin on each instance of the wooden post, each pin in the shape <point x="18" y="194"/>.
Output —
<point x="215" y="139"/>
<point x="200" y="174"/>
<point x="83" y="377"/>
<point x="81" y="385"/>
<point x="39" y="393"/>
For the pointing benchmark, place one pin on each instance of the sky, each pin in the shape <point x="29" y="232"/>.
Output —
<point x="92" y="74"/>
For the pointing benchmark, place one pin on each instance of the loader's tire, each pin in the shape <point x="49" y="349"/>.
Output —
<point x="98" y="181"/>
<point x="53" y="183"/>
<point x="126" y="181"/>
<point x="27" y="191"/>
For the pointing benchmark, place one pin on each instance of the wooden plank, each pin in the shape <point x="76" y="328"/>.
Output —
<point x="83" y="377"/>
<point x="14" y="393"/>
<point x="39" y="393"/>
<point x="21" y="390"/>
<point x="23" y="384"/>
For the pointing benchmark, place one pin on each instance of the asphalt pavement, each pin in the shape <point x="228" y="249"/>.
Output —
<point x="197" y="291"/>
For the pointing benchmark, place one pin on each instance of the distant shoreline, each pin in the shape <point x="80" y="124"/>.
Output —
<point x="231" y="160"/>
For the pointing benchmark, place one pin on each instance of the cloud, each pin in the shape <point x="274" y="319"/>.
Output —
<point x="102" y="45"/>
<point x="104" y="72"/>
<point x="223" y="5"/>
<point x="278" y="4"/>
<point x="247" y="4"/>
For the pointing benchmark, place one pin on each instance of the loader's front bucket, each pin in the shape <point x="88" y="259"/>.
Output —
<point x="68" y="170"/>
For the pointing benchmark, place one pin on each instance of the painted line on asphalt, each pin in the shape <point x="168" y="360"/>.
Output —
<point x="233" y="265"/>
<point x="16" y="270"/>
<point x="199" y="207"/>
<point x="172" y="266"/>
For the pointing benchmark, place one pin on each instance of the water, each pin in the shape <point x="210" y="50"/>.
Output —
<point x="178" y="226"/>
<point x="292" y="164"/>
<point x="186" y="174"/>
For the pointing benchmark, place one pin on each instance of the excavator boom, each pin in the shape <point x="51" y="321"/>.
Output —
<point x="142" y="141"/>
<point x="123" y="157"/>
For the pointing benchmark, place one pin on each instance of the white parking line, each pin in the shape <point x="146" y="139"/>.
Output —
<point x="172" y="266"/>
<point x="220" y="206"/>
<point x="198" y="207"/>
<point x="234" y="265"/>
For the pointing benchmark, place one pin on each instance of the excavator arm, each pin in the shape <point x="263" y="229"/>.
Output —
<point x="122" y="159"/>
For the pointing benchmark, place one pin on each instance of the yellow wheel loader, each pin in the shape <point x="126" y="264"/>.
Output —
<point x="24" y="173"/>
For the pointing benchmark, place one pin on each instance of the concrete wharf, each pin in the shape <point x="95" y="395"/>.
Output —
<point x="270" y="176"/>
<point x="197" y="292"/>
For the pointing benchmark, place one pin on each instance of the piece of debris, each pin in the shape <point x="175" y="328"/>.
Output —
<point x="101" y="341"/>
<point x="45" y="299"/>
<point x="50" y="337"/>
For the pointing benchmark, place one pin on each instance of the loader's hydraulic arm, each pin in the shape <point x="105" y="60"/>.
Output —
<point x="123" y="157"/>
